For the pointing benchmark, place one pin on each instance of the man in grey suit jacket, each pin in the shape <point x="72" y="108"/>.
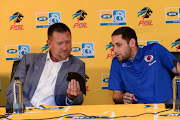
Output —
<point x="45" y="82"/>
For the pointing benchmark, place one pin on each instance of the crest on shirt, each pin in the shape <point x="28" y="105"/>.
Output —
<point x="148" y="58"/>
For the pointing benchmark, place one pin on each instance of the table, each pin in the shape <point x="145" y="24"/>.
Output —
<point x="104" y="111"/>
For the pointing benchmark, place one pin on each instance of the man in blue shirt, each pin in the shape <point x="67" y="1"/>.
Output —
<point x="141" y="72"/>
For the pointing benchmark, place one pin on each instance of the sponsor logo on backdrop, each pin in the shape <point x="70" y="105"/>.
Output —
<point x="45" y="48"/>
<point x="112" y="17"/>
<point x="109" y="48"/>
<point x="145" y="13"/>
<point x="172" y="14"/>
<point x="105" y="81"/>
<point x="15" y="52"/>
<point x="176" y="44"/>
<point x="83" y="50"/>
<point x="143" y="43"/>
<point x="80" y="15"/>
<point x="16" y="18"/>
<point x="45" y="19"/>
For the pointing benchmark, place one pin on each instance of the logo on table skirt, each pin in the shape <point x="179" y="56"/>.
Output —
<point x="111" y="54"/>
<point x="85" y="117"/>
<point x="172" y="14"/>
<point x="145" y="13"/>
<point x="105" y="81"/>
<point x="83" y="50"/>
<point x="80" y="15"/>
<point x="112" y="17"/>
<point x="45" y="19"/>
<point x="16" y="18"/>
<point x="15" y="52"/>
<point x="170" y="115"/>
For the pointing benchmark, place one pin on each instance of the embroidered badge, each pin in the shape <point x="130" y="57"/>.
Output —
<point x="148" y="58"/>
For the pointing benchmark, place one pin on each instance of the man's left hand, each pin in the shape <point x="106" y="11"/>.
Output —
<point x="73" y="89"/>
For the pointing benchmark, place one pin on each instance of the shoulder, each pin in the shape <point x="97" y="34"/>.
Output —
<point x="154" y="46"/>
<point x="34" y="56"/>
<point x="76" y="60"/>
<point x="115" y="60"/>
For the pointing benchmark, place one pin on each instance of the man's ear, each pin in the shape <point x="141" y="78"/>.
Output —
<point x="48" y="42"/>
<point x="132" y="42"/>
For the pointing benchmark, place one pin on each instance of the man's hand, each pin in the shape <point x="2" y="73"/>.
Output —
<point x="119" y="97"/>
<point x="73" y="89"/>
<point x="128" y="98"/>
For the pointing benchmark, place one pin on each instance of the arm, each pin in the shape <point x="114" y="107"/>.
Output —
<point x="74" y="93"/>
<point x="176" y="70"/>
<point x="126" y="98"/>
<point x="20" y="72"/>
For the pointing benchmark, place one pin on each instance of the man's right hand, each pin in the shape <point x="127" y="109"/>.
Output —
<point x="128" y="98"/>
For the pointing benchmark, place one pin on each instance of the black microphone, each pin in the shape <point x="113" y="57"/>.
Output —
<point x="175" y="64"/>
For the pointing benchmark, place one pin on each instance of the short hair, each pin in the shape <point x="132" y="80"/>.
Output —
<point x="58" y="27"/>
<point x="127" y="33"/>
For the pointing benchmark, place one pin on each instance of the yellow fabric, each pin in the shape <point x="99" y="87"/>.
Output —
<point x="99" y="110"/>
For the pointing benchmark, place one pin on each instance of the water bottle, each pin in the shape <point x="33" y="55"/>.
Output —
<point x="18" y="106"/>
<point x="176" y="94"/>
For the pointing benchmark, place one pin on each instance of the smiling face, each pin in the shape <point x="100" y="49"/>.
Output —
<point x="60" y="46"/>
<point x="122" y="49"/>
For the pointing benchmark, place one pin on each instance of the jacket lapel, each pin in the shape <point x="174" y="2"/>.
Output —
<point x="62" y="73"/>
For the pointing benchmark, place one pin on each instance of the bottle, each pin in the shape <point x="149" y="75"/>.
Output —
<point x="18" y="106"/>
<point x="176" y="94"/>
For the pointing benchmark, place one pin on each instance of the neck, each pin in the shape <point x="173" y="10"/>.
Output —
<point x="52" y="58"/>
<point x="133" y="53"/>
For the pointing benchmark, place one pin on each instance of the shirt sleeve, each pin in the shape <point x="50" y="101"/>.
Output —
<point x="166" y="57"/>
<point x="68" y="101"/>
<point x="115" y="80"/>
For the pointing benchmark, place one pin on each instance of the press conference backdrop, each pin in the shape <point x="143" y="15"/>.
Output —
<point x="24" y="27"/>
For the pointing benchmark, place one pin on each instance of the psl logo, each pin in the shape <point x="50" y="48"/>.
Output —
<point x="80" y="15"/>
<point x="110" y="55"/>
<point x="176" y="44"/>
<point x="15" y="52"/>
<point x="45" y="48"/>
<point x="45" y="19"/>
<point x="145" y="13"/>
<point x="17" y="18"/>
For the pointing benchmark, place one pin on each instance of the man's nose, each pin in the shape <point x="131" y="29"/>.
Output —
<point x="64" y="47"/>
<point x="114" y="50"/>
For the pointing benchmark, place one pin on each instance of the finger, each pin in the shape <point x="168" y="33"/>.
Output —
<point x="128" y="98"/>
<point x="126" y="102"/>
<point x="134" y="99"/>
<point x="78" y="88"/>
<point x="69" y="88"/>
<point x="72" y="85"/>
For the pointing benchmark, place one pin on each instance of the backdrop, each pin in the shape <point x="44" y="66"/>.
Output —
<point x="24" y="29"/>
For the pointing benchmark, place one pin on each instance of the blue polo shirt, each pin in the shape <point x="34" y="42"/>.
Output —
<point x="146" y="76"/>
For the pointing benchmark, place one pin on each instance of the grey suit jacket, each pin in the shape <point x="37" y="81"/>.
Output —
<point x="36" y="62"/>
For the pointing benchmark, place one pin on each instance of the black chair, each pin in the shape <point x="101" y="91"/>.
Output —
<point x="14" y="68"/>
